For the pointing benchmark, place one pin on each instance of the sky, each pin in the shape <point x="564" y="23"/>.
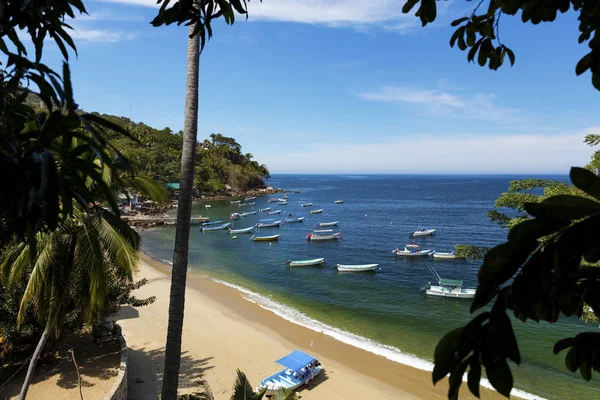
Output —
<point x="354" y="86"/>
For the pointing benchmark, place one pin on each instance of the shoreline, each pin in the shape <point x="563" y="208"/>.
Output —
<point x="349" y="369"/>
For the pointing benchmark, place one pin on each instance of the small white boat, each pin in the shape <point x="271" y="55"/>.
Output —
<point x="245" y="214"/>
<point x="211" y="223"/>
<point x="291" y="220"/>
<point x="338" y="201"/>
<point x="282" y="198"/>
<point x="319" y="211"/>
<point x="274" y="212"/>
<point x="235" y="216"/>
<point x="215" y="227"/>
<point x="271" y="200"/>
<point x="267" y="223"/>
<point x="356" y="268"/>
<point x="445" y="256"/>
<point x="306" y="263"/>
<point x="242" y="204"/>
<point x="306" y="205"/>
<point x="412" y="250"/>
<point x="300" y="369"/>
<point x="271" y="238"/>
<point x="324" y="234"/>
<point x="236" y="202"/>
<point x="251" y="204"/>
<point x="264" y="209"/>
<point x="322" y="224"/>
<point x="244" y="230"/>
<point x="422" y="232"/>
<point x="450" y="288"/>
<point x="249" y="198"/>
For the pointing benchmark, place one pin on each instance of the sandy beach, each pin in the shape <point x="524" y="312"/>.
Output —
<point x="223" y="331"/>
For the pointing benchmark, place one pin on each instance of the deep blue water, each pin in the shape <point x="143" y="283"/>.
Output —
<point x="386" y="307"/>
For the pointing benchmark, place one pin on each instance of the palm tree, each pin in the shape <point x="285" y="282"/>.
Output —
<point x="242" y="390"/>
<point x="79" y="260"/>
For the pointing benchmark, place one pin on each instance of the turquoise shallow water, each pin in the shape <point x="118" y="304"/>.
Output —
<point x="385" y="308"/>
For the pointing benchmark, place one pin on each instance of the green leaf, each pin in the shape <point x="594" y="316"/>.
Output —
<point x="457" y="22"/>
<point x="455" y="36"/>
<point x="563" y="344"/>
<point x="562" y="208"/>
<point x="461" y="39"/>
<point x="481" y="58"/>
<point x="474" y="375"/>
<point x="429" y="12"/>
<point x="511" y="55"/>
<point x="445" y="354"/>
<point x="586" y="180"/>
<point x="583" y="64"/>
<point x="500" y="377"/>
<point x="470" y="35"/>
<point x="456" y="379"/>
<point x="409" y="6"/>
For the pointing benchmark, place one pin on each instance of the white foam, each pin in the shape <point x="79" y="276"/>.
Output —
<point x="390" y="352"/>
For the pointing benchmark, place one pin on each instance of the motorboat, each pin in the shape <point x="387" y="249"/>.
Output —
<point x="356" y="268"/>
<point x="412" y="250"/>
<point x="306" y="263"/>
<point x="324" y="234"/>
<point x="299" y="369"/>
<point x="422" y="232"/>
<point x="267" y="223"/>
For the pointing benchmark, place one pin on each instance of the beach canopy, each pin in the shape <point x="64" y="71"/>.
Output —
<point x="450" y="282"/>
<point x="296" y="360"/>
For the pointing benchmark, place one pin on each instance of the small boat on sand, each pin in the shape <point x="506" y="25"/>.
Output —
<point x="422" y="232"/>
<point x="306" y="205"/>
<point x="338" y="201"/>
<point x="264" y="209"/>
<point x="244" y="230"/>
<point x="214" y="227"/>
<point x="274" y="212"/>
<point x="356" y="268"/>
<point x="291" y="220"/>
<point x="306" y="263"/>
<point x="267" y="223"/>
<point x="412" y="250"/>
<point x="447" y="287"/>
<point x="445" y="256"/>
<point x="322" y="224"/>
<point x="211" y="223"/>
<point x="271" y="238"/>
<point x="319" y="211"/>
<point x="324" y="234"/>
<point x="300" y="369"/>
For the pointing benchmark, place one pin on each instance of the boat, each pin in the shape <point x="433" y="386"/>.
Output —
<point x="271" y="200"/>
<point x="282" y="203"/>
<point x="252" y="203"/>
<point x="267" y="223"/>
<point x="356" y="268"/>
<point x="235" y="216"/>
<point x="245" y="214"/>
<point x="236" y="202"/>
<point x="306" y="263"/>
<point x="282" y="199"/>
<point x="422" y="232"/>
<point x="249" y="198"/>
<point x="324" y="234"/>
<point x="296" y="191"/>
<point x="445" y="256"/>
<point x="300" y="369"/>
<point x="321" y="224"/>
<point x="274" y="212"/>
<point x="319" y="211"/>
<point x="447" y="287"/>
<point x="291" y="220"/>
<point x="244" y="230"/>
<point x="338" y="201"/>
<point x="265" y="238"/>
<point x="412" y="250"/>
<point x="242" y="204"/>
<point x="306" y="205"/>
<point x="264" y="209"/>
<point x="215" y="227"/>
<point x="211" y="223"/>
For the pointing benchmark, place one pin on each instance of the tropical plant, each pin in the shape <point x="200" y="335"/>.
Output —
<point x="480" y="32"/>
<point x="242" y="390"/>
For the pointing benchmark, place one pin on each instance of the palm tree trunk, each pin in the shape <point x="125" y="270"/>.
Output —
<point x="34" y="359"/>
<point x="182" y="230"/>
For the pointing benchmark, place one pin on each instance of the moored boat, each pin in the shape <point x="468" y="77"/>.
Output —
<point x="319" y="211"/>
<point x="445" y="256"/>
<point x="324" y="234"/>
<point x="422" y="232"/>
<point x="322" y="224"/>
<point x="235" y="202"/>
<point x="251" y="204"/>
<point x="356" y="267"/>
<point x="291" y="220"/>
<point x="306" y="263"/>
<point x="447" y="287"/>
<point x="412" y="250"/>
<point x="249" y="198"/>
<point x="211" y="223"/>
<point x="235" y="216"/>
<point x="245" y="214"/>
<point x="215" y="227"/>
<point x="274" y="212"/>
<point x="272" y="200"/>
<point x="338" y="201"/>
<point x="267" y="223"/>
<point x="243" y="230"/>
<point x="306" y="205"/>
<point x="282" y="203"/>
<point x="264" y="209"/>
<point x="265" y="238"/>
<point x="300" y="369"/>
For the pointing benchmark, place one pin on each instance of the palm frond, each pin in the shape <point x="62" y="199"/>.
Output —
<point x="147" y="186"/>
<point x="242" y="390"/>
<point x="119" y="242"/>
<point x="16" y="261"/>
<point x="284" y="394"/>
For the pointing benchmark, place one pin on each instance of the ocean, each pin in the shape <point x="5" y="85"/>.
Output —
<point x="383" y="312"/>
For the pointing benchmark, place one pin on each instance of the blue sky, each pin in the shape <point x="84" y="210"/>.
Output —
<point x="348" y="86"/>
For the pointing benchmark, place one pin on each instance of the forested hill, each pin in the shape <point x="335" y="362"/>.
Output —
<point x="220" y="162"/>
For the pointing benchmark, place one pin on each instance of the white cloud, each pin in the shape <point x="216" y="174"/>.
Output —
<point x="356" y="13"/>
<point x="448" y="153"/>
<point x="100" y="36"/>
<point x="442" y="103"/>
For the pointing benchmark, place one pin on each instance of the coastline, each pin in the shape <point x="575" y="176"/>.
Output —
<point x="243" y="334"/>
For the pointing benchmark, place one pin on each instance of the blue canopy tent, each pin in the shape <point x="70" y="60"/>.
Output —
<point x="296" y="360"/>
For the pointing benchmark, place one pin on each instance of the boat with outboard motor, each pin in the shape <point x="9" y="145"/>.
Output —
<point x="412" y="250"/>
<point x="300" y="369"/>
<point x="324" y="234"/>
<point x="267" y="223"/>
